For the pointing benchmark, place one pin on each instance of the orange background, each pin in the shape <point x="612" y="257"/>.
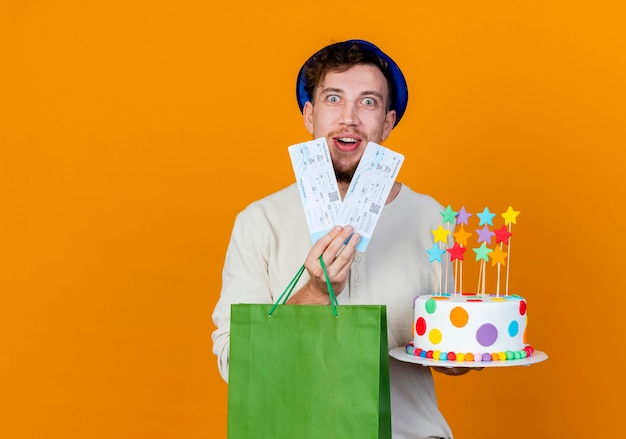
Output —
<point x="131" y="133"/>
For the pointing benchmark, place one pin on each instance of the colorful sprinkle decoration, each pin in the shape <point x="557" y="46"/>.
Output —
<point x="476" y="357"/>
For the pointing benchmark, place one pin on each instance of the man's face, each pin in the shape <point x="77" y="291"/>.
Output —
<point x="350" y="111"/>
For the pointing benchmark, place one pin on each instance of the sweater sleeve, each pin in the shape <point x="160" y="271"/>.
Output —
<point x="244" y="280"/>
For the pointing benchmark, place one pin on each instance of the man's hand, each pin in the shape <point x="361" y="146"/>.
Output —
<point x="455" y="370"/>
<point x="338" y="249"/>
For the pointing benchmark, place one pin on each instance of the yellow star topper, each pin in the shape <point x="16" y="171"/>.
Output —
<point x="440" y="234"/>
<point x="509" y="216"/>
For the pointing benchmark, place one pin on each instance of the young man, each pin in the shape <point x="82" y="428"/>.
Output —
<point x="350" y="93"/>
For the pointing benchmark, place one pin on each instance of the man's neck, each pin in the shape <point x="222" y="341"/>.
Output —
<point x="395" y="190"/>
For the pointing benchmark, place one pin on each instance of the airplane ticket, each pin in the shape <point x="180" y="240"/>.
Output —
<point x="366" y="196"/>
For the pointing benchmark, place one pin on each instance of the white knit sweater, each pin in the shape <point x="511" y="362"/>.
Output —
<point x="270" y="241"/>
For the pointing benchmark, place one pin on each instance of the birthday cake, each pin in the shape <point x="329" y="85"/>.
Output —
<point x="459" y="327"/>
<point x="478" y="326"/>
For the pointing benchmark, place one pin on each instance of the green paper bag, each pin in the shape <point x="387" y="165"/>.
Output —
<point x="308" y="371"/>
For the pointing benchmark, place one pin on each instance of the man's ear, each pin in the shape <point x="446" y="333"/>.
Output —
<point x="390" y="120"/>
<point x="307" y="115"/>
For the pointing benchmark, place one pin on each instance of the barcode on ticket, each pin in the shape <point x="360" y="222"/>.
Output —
<point x="374" y="208"/>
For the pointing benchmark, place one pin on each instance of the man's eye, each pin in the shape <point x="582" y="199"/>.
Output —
<point x="333" y="98"/>
<point x="369" y="101"/>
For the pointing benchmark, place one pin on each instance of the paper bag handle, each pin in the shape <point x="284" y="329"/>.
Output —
<point x="292" y="284"/>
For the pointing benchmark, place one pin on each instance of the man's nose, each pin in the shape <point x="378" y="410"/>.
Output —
<point x="349" y="115"/>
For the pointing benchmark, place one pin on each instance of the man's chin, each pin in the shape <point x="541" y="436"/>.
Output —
<point x="344" y="176"/>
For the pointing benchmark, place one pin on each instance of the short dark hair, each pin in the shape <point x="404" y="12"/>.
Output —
<point x="339" y="57"/>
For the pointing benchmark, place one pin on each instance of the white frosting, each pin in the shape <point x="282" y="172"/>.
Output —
<point x="460" y="324"/>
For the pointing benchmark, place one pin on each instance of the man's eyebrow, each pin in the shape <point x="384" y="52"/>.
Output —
<point x="363" y="93"/>
<point x="372" y="93"/>
<point x="331" y="90"/>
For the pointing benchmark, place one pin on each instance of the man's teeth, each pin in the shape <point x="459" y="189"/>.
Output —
<point x="347" y="140"/>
